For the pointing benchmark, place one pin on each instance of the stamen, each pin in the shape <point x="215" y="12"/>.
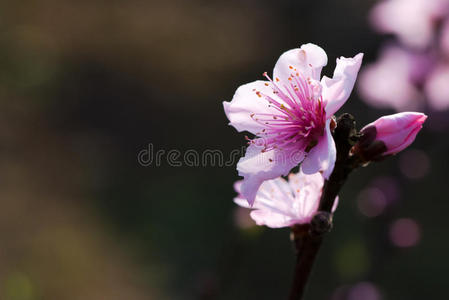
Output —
<point x="298" y="116"/>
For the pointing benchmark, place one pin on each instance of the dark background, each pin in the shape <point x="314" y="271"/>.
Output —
<point x="86" y="85"/>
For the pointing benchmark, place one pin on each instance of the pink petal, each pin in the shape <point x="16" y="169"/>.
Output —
<point x="398" y="131"/>
<point x="271" y="219"/>
<point x="273" y="204"/>
<point x="412" y="21"/>
<point x="257" y="166"/>
<point x="276" y="195"/>
<point x="247" y="102"/>
<point x="391" y="124"/>
<point x="322" y="157"/>
<point x="299" y="181"/>
<point x="338" y="89"/>
<point x="406" y="140"/>
<point x="280" y="203"/>
<point x="308" y="60"/>
<point x="308" y="190"/>
<point x="388" y="82"/>
<point x="437" y="88"/>
<point x="334" y="207"/>
<point x="242" y="202"/>
<point x="239" y="198"/>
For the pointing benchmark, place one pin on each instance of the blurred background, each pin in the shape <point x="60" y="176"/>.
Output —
<point x="86" y="85"/>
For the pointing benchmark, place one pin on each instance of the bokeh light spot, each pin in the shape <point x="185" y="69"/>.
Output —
<point x="414" y="164"/>
<point x="405" y="233"/>
<point x="389" y="187"/>
<point x="364" y="291"/>
<point x="371" y="202"/>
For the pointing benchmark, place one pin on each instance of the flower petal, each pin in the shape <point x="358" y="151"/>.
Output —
<point x="271" y="219"/>
<point x="257" y="166"/>
<point x="322" y="157"/>
<point x="398" y="131"/>
<point x="273" y="205"/>
<point x="308" y="190"/>
<point x="281" y="204"/>
<point x="239" y="198"/>
<point x="413" y="21"/>
<point x="247" y="100"/>
<point x="275" y="194"/>
<point x="334" y="207"/>
<point x="390" y="81"/>
<point x="308" y="60"/>
<point x="338" y="89"/>
<point x="437" y="88"/>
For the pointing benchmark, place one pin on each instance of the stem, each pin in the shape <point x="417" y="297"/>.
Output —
<point x="307" y="238"/>
<point x="344" y="137"/>
<point x="307" y="247"/>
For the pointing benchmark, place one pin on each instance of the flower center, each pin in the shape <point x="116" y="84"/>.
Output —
<point x="297" y="120"/>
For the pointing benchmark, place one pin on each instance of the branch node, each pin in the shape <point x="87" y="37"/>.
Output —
<point x="321" y="223"/>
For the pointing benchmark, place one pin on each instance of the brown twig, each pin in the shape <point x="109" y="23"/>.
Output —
<point x="307" y="238"/>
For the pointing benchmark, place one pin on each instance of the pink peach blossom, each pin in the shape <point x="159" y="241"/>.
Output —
<point x="437" y="88"/>
<point x="413" y="21"/>
<point x="290" y="116"/>
<point x="282" y="203"/>
<point x="391" y="81"/>
<point x="389" y="134"/>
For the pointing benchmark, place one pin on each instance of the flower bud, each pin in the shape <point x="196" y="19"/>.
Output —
<point x="388" y="135"/>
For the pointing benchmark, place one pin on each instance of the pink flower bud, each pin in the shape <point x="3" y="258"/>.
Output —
<point x="389" y="135"/>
